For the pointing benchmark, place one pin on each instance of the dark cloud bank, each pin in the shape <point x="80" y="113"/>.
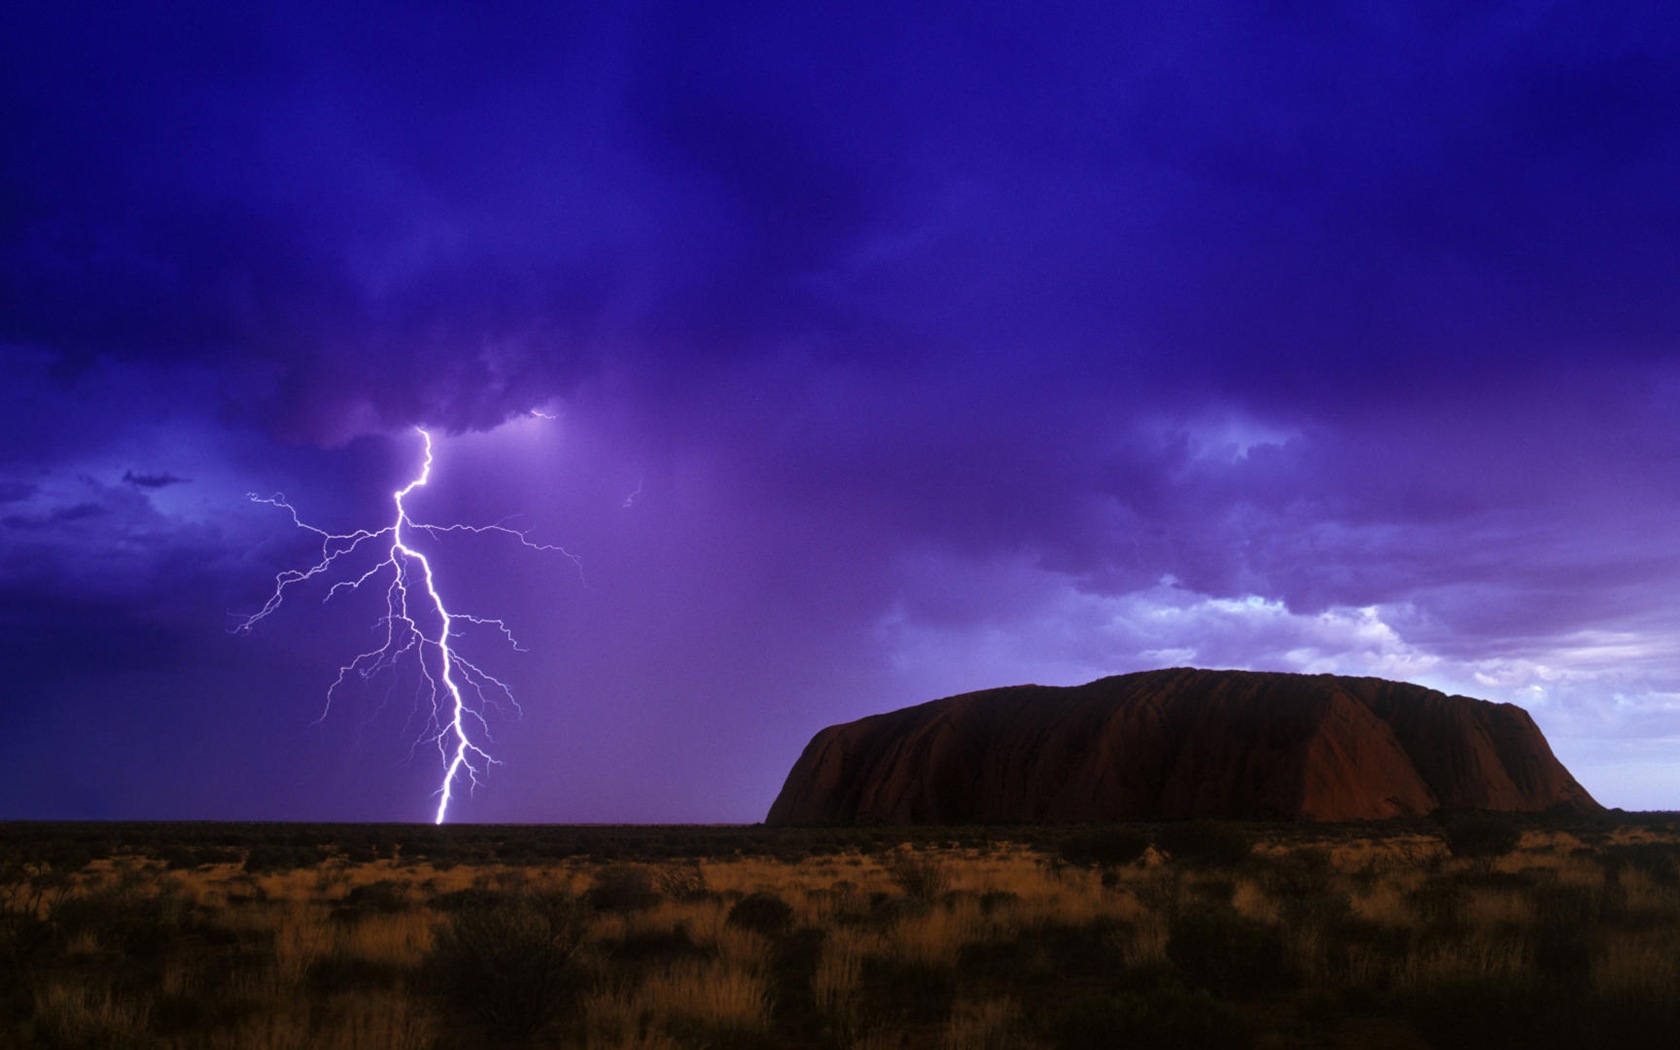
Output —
<point x="893" y="351"/>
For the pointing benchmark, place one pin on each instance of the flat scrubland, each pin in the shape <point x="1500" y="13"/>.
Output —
<point x="1478" y="933"/>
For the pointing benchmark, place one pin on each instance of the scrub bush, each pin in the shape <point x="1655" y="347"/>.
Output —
<point x="1481" y="840"/>
<point x="1109" y="847"/>
<point x="1167" y="1017"/>
<point x="622" y="888"/>
<point x="511" y="965"/>
<point x="761" y="912"/>
<point x="1208" y="843"/>
<point x="1229" y="954"/>
<point x="921" y="878"/>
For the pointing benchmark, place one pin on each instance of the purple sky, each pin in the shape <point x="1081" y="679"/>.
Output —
<point x="894" y="351"/>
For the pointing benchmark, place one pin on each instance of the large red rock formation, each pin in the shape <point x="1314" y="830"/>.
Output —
<point x="1179" y="743"/>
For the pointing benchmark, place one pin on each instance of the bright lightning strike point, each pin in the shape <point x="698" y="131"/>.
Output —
<point x="418" y="625"/>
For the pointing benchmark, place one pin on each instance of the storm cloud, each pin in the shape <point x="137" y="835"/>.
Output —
<point x="941" y="347"/>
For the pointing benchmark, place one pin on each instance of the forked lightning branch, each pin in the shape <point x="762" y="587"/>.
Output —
<point x="417" y="627"/>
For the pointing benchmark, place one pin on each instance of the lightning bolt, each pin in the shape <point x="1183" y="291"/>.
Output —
<point x="417" y="625"/>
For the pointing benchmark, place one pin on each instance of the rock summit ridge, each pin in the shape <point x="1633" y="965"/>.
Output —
<point x="1179" y="743"/>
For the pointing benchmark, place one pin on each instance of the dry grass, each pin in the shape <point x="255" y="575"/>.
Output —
<point x="1478" y="959"/>
<point x="1384" y="903"/>
<point x="934" y="937"/>
<point x="1640" y="963"/>
<point x="722" y="995"/>
<point x="301" y="936"/>
<point x="983" y="1024"/>
<point x="333" y="956"/>
<point x="836" y="984"/>
<point x="76" y="1015"/>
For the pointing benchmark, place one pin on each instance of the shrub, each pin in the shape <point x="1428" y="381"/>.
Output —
<point x="510" y="965"/>
<point x="386" y="896"/>
<point x="1480" y="840"/>
<point x="1109" y="847"/>
<point x="914" y="991"/>
<point x="1228" y="954"/>
<point x="1162" y="892"/>
<point x="1659" y="860"/>
<point x="645" y="946"/>
<point x="762" y="912"/>
<point x="1562" y="947"/>
<point x="1205" y="842"/>
<point x="465" y="899"/>
<point x="1492" y="1015"/>
<point x="28" y="889"/>
<point x="178" y="857"/>
<point x="793" y="968"/>
<point x="340" y="971"/>
<point x="1094" y="948"/>
<point x="622" y="888"/>
<point x="26" y="944"/>
<point x="920" y="877"/>
<point x="683" y="881"/>
<point x="1304" y="886"/>
<point x="1000" y="960"/>
<point x="366" y="852"/>
<point x="123" y="920"/>
<point x="263" y="858"/>
<point x="1440" y="903"/>
<point x="1167" y="1017"/>
<point x="992" y="900"/>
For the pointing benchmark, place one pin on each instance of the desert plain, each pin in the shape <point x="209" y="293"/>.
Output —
<point x="1539" y="931"/>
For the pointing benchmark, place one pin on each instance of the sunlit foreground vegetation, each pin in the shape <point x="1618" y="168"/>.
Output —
<point x="1475" y="934"/>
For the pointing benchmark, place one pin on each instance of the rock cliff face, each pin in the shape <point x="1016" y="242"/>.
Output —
<point x="1174" y="744"/>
